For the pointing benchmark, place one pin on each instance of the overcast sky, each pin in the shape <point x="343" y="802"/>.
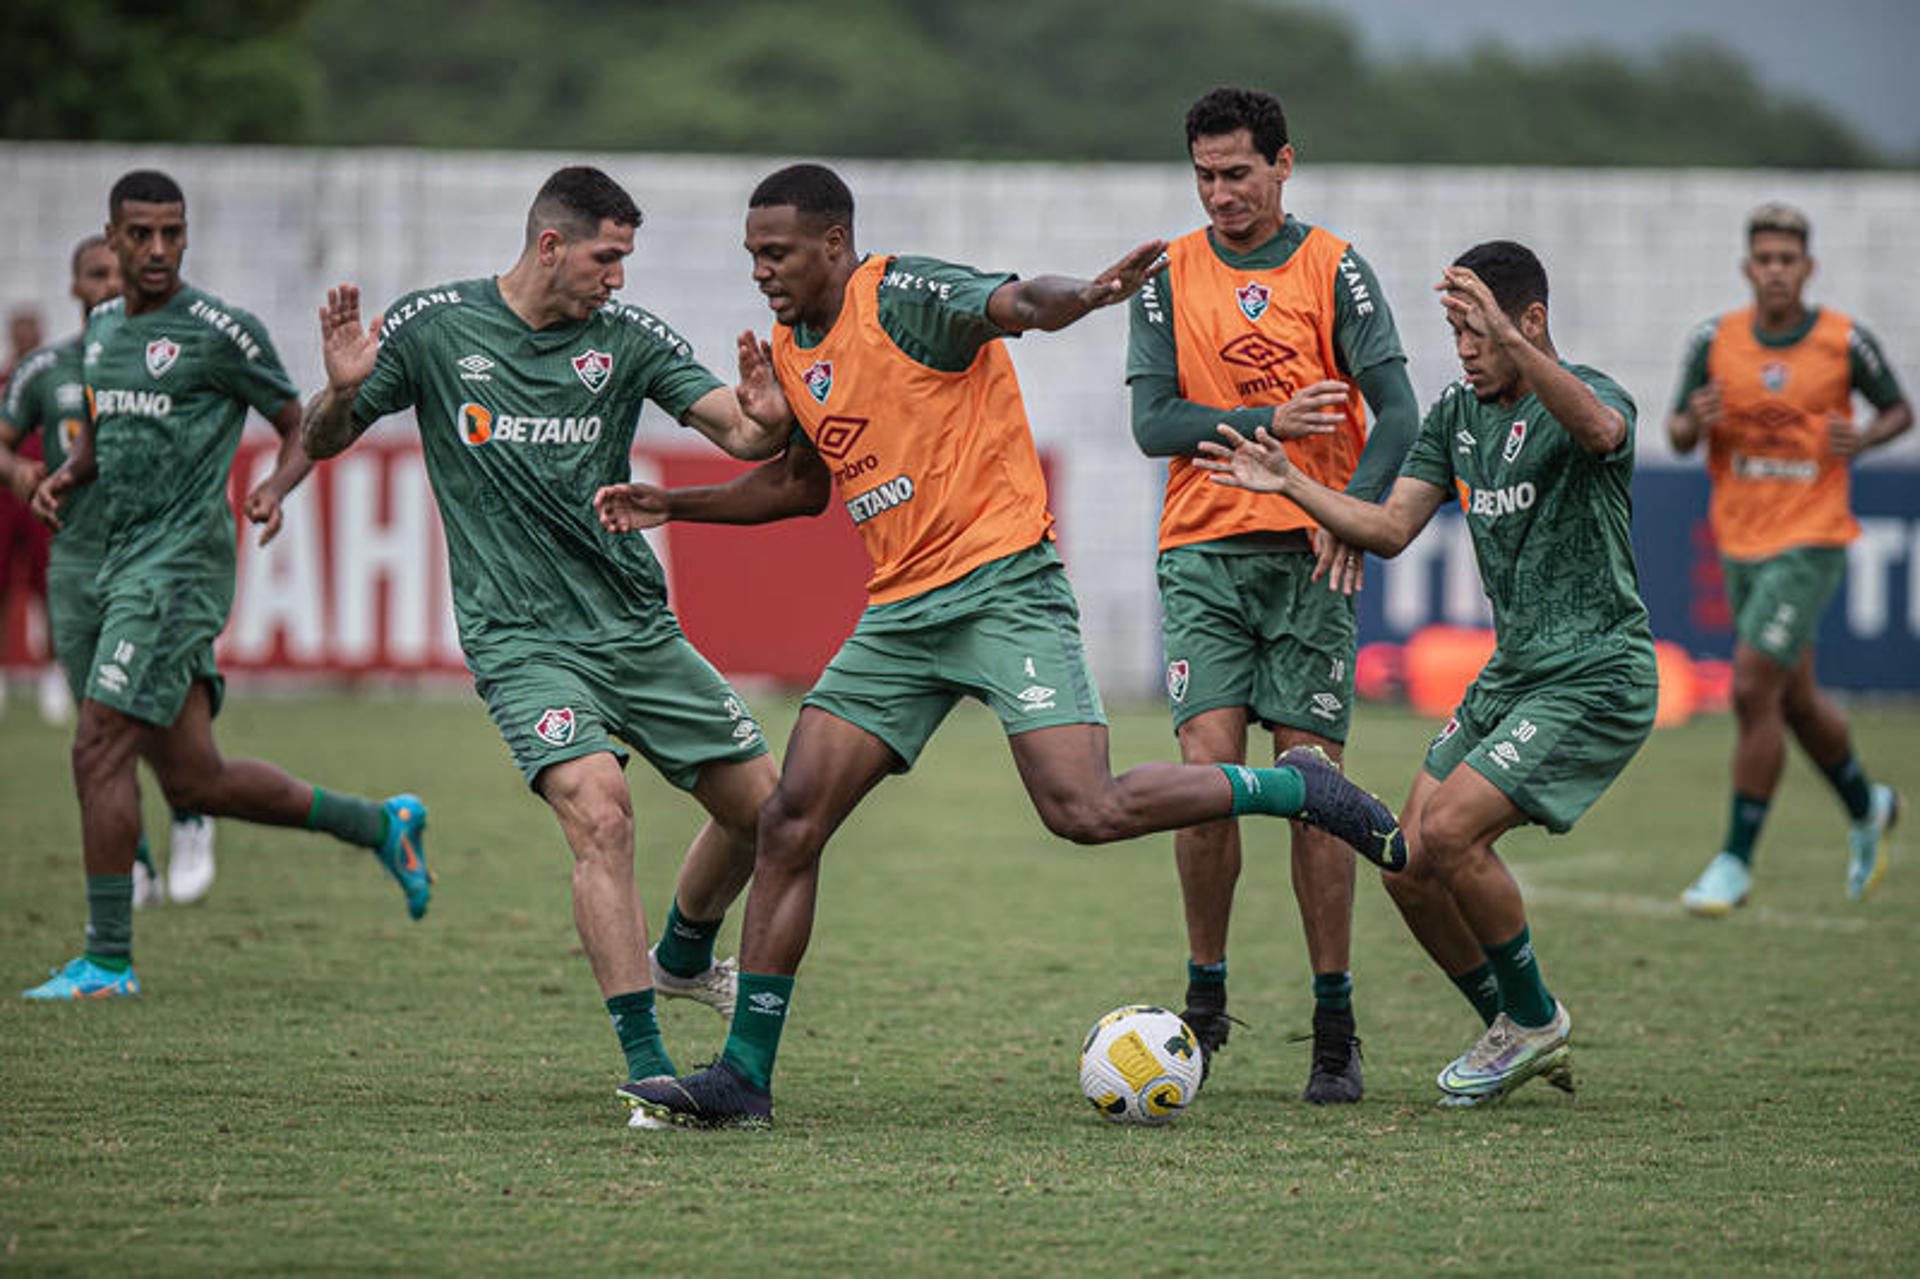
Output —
<point x="1854" y="56"/>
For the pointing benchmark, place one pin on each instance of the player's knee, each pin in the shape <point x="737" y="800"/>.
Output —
<point x="790" y="834"/>
<point x="1080" y="820"/>
<point x="1445" y="835"/>
<point x="1757" y="693"/>
<point x="101" y="746"/>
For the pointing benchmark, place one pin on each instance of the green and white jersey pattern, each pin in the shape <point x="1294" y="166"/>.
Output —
<point x="520" y="426"/>
<point x="170" y="390"/>
<point x="47" y="393"/>
<point x="1552" y="528"/>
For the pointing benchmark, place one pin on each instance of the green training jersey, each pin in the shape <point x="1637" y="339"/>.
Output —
<point x="520" y="427"/>
<point x="48" y="394"/>
<point x="1552" y="528"/>
<point x="935" y="312"/>
<point x="170" y="390"/>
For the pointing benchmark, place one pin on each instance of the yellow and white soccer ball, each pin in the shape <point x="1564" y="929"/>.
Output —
<point x="1140" y="1065"/>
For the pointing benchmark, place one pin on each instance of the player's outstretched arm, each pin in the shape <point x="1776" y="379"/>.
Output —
<point x="349" y="352"/>
<point x="1260" y="465"/>
<point x="752" y="420"/>
<point x="1051" y="302"/>
<point x="22" y="474"/>
<point x="792" y="484"/>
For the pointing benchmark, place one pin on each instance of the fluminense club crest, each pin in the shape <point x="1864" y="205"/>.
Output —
<point x="1252" y="297"/>
<point x="593" y="368"/>
<point x="555" y="727"/>
<point x="1773" y="376"/>
<point x="1516" y="438"/>
<point x="161" y="353"/>
<point x="819" y="380"/>
<point x="1177" y="680"/>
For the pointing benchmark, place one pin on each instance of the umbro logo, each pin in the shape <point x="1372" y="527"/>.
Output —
<point x="1326" y="706"/>
<point x="473" y="368"/>
<point x="1464" y="440"/>
<point x="767" y="1002"/>
<point x="1505" y="754"/>
<point x="1037" y="697"/>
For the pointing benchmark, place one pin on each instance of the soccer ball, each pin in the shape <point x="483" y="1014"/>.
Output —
<point x="1140" y="1065"/>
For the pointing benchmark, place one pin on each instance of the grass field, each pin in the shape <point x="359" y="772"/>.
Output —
<point x="314" y="1083"/>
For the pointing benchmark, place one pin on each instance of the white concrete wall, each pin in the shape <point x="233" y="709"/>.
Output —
<point x="1635" y="257"/>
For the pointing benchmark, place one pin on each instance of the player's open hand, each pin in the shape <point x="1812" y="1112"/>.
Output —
<point x="759" y="390"/>
<point x="1314" y="410"/>
<point x="1843" y="437"/>
<point x="1343" y="566"/>
<point x="1469" y="303"/>
<point x="263" y="507"/>
<point x="348" y="350"/>
<point x="25" y="477"/>
<point x="1706" y="407"/>
<point x="631" y="508"/>
<point x="1258" y="464"/>
<point x="50" y="494"/>
<point x="1123" y="279"/>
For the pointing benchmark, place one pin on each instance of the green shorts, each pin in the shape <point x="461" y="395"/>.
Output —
<point x="73" y="621"/>
<point x="1007" y="633"/>
<point x="1257" y="631"/>
<point x="1551" y="750"/>
<point x="1777" y="602"/>
<point x="553" y="703"/>
<point x="156" y="634"/>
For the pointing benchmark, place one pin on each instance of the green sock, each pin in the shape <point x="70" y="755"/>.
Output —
<point x="639" y="1033"/>
<point x="1482" y="990"/>
<point x="1277" y="791"/>
<point x="1523" y="992"/>
<point x="1743" y="825"/>
<point x="759" y="1015"/>
<point x="110" y="921"/>
<point x="1849" y="782"/>
<point x="1207" y="974"/>
<point x="348" y="817"/>
<point x="144" y="855"/>
<point x="685" y="948"/>
<point x="180" y="815"/>
<point x="1333" y="991"/>
<point x="1207" y="986"/>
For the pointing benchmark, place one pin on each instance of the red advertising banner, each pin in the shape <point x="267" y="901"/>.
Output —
<point x="356" y="583"/>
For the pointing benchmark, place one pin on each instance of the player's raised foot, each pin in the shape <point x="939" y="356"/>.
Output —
<point x="190" y="858"/>
<point x="404" y="851"/>
<point x="1722" y="886"/>
<point x="149" y="886"/>
<point x="716" y="1096"/>
<point x="1867" y="841"/>
<point x="83" y="979"/>
<point x="716" y="987"/>
<point x="1335" y="1078"/>
<point x="1508" y="1055"/>
<point x="1346" y="811"/>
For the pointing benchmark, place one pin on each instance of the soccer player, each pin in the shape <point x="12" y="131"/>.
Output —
<point x="23" y="539"/>
<point x="46" y="395"/>
<point x="1262" y="320"/>
<point x="1541" y="454"/>
<point x="170" y="373"/>
<point x="896" y="372"/>
<point x="527" y="388"/>
<point x="1770" y="388"/>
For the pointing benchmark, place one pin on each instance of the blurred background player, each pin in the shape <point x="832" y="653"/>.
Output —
<point x="527" y="388"/>
<point x="1262" y="320"/>
<point x="1540" y="453"/>
<point x="901" y="358"/>
<point x="1770" y="387"/>
<point x="45" y="405"/>
<point x="171" y="371"/>
<point x="23" y="539"/>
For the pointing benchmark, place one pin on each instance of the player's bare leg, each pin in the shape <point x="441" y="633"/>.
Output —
<point x="198" y="779"/>
<point x="717" y="866"/>
<point x="1207" y="857"/>
<point x="1820" y="728"/>
<point x="1323" y="876"/>
<point x="1760" y="694"/>
<point x="1428" y="909"/>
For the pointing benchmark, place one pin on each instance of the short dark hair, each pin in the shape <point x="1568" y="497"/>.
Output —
<point x="1230" y="108"/>
<point x="576" y="200"/>
<point x="80" y="251"/>
<point x="1510" y="271"/>
<point x="1780" y="219"/>
<point x="144" y="186"/>
<point x="814" y="190"/>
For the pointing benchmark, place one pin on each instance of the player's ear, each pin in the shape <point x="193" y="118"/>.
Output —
<point x="1533" y="320"/>
<point x="547" y="247"/>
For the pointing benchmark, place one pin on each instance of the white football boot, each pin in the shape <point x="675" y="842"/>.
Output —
<point x="190" y="859"/>
<point x="716" y="987"/>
